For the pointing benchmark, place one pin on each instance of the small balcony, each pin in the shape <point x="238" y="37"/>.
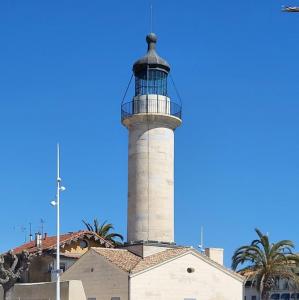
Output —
<point x="151" y="104"/>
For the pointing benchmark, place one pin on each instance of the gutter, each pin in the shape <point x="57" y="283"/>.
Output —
<point x="129" y="286"/>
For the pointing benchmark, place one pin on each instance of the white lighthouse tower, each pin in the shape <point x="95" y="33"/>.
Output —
<point x="151" y="118"/>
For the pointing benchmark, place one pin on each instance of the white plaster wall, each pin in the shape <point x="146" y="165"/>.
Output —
<point x="251" y="291"/>
<point x="151" y="182"/>
<point x="101" y="280"/>
<point x="171" y="281"/>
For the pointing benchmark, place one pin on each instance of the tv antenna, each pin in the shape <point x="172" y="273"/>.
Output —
<point x="30" y="232"/>
<point x="42" y="222"/>
<point x="23" y="230"/>
<point x="201" y="245"/>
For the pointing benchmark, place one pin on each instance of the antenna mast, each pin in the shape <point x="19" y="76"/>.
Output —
<point x="151" y="17"/>
<point x="42" y="221"/>
<point x="30" y="233"/>
<point x="24" y="230"/>
<point x="201" y="246"/>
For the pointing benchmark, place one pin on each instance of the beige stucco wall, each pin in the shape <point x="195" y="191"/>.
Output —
<point x="215" y="254"/>
<point x="70" y="290"/>
<point x="171" y="281"/>
<point x="101" y="280"/>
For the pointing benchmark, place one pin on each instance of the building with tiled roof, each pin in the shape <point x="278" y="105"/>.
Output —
<point x="150" y="266"/>
<point x="72" y="246"/>
<point x="49" y="242"/>
<point x="159" y="272"/>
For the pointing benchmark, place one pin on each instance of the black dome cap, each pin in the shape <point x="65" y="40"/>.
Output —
<point x="151" y="59"/>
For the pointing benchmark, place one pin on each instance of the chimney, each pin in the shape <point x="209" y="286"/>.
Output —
<point x="45" y="236"/>
<point x="215" y="254"/>
<point x="38" y="240"/>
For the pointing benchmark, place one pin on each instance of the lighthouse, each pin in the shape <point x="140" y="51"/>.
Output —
<point x="150" y="265"/>
<point x="151" y="119"/>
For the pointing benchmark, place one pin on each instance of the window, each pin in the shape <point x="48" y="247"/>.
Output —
<point x="115" y="298"/>
<point x="91" y="298"/>
<point x="50" y="267"/>
<point x="285" y="285"/>
<point x="190" y="270"/>
<point x="151" y="81"/>
<point x="62" y="267"/>
<point x="83" y="244"/>
<point x="253" y="297"/>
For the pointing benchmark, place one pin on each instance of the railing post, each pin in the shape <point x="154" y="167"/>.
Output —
<point x="167" y="107"/>
<point x="146" y="102"/>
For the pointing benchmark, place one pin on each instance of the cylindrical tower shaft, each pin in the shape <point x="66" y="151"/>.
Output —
<point x="151" y="178"/>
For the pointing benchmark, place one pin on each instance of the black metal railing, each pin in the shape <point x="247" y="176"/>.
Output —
<point x="151" y="106"/>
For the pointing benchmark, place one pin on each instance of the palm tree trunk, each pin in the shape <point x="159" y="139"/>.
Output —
<point x="265" y="295"/>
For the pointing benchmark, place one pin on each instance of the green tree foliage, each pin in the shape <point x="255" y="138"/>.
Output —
<point x="104" y="230"/>
<point x="263" y="262"/>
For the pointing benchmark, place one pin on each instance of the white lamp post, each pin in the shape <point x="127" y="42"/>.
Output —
<point x="56" y="203"/>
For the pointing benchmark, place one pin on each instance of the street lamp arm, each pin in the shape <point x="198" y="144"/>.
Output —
<point x="290" y="9"/>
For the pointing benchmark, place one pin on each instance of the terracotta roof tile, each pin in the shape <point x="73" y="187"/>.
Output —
<point x="130" y="262"/>
<point x="158" y="258"/>
<point x="122" y="258"/>
<point x="49" y="242"/>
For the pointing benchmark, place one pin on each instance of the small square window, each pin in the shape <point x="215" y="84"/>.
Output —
<point x="253" y="297"/>
<point x="62" y="267"/>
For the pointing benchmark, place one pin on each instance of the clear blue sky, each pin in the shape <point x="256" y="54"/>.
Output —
<point x="64" y="66"/>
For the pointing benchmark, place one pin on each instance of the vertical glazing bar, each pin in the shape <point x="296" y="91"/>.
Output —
<point x="147" y="79"/>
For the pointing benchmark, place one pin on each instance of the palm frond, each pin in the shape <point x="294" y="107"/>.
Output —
<point x="88" y="225"/>
<point x="264" y="261"/>
<point x="104" y="230"/>
<point x="111" y="236"/>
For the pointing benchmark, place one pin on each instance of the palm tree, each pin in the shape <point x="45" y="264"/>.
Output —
<point x="264" y="262"/>
<point x="103" y="230"/>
